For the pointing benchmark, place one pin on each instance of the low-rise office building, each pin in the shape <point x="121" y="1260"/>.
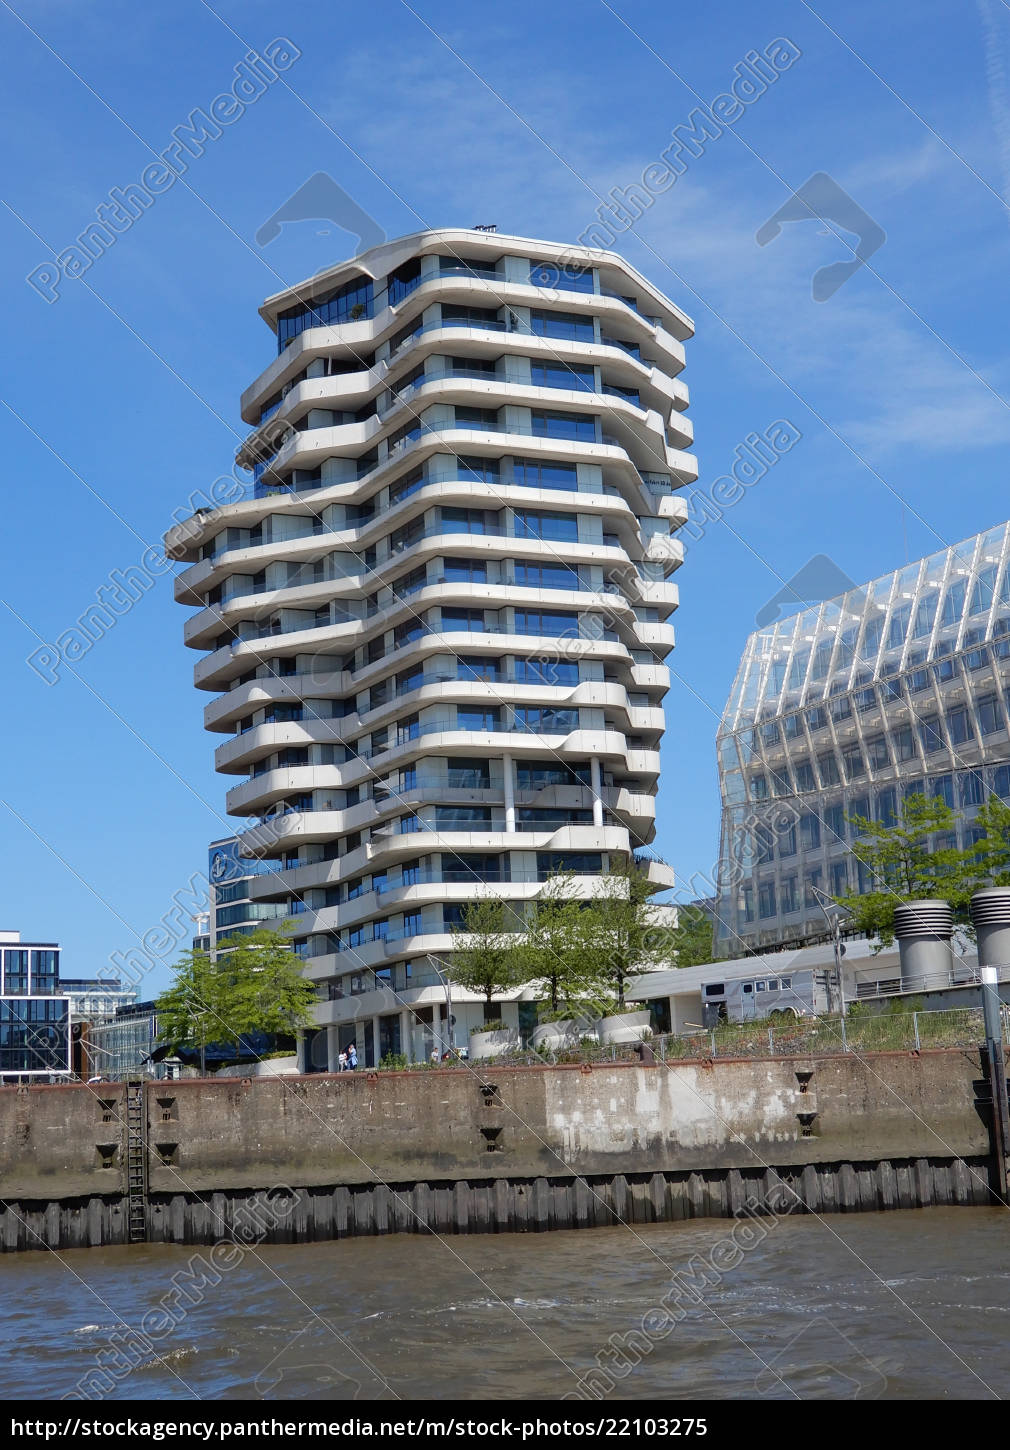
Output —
<point x="35" y="1021"/>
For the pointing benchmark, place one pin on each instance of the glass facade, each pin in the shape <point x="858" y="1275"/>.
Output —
<point x="231" y="875"/>
<point x="898" y="686"/>
<point x="34" y="1035"/>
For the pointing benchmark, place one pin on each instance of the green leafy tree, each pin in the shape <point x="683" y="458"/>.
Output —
<point x="556" y="950"/>
<point x="254" y="985"/>
<point x="191" y="1011"/>
<point x="691" y="943"/>
<point x="904" y="865"/>
<point x="624" y="932"/>
<point x="991" y="854"/>
<point x="487" y="956"/>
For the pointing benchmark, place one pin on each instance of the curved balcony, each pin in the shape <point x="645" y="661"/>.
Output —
<point x="369" y="334"/>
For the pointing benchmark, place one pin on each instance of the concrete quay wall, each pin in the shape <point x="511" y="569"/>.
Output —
<point x="495" y="1149"/>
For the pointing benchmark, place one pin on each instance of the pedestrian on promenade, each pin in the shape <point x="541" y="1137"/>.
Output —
<point x="352" y="1057"/>
<point x="342" y="1062"/>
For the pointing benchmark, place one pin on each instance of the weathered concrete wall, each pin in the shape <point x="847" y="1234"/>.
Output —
<point x="496" y="1148"/>
<point x="61" y="1142"/>
<point x="354" y="1128"/>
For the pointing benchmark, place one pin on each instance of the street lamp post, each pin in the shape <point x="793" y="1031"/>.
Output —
<point x="446" y="981"/>
<point x="834" y="922"/>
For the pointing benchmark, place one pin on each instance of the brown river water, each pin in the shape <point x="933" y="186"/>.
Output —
<point x="887" y="1306"/>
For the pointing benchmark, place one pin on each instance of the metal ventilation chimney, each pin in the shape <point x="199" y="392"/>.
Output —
<point x="924" y="929"/>
<point x="990" y="914"/>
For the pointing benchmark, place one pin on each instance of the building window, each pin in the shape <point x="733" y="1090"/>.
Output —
<point x="576" y="427"/>
<point x="852" y="758"/>
<point x="931" y="735"/>
<point x="904" y="742"/>
<point x="877" y="756"/>
<point x="972" y="788"/>
<point x="959" y="725"/>
<point x="804" y="775"/>
<point x="989" y="714"/>
<point x="834" y="823"/>
<point x="943" y="787"/>
<point x="558" y="528"/>
<point x="766" y="900"/>
<point x="827" y="765"/>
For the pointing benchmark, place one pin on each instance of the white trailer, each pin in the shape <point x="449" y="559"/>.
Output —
<point x="727" y="998"/>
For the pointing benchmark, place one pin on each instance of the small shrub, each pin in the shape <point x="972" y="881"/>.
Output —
<point x="394" y="1061"/>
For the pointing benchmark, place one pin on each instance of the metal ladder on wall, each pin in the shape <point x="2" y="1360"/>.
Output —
<point x="136" y="1163"/>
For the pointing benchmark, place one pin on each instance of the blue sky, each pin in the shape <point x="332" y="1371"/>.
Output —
<point x="120" y="399"/>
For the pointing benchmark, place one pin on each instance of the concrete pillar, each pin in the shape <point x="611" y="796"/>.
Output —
<point x="301" y="1055"/>
<point x="332" y="1049"/>
<point x="376" y="1053"/>
<point x="406" y="1046"/>
<point x="596" y="784"/>
<point x="510" y="800"/>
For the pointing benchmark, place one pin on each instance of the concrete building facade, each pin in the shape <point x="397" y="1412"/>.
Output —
<point x="435" y="630"/>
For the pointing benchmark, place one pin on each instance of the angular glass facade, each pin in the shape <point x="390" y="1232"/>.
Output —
<point x="898" y="686"/>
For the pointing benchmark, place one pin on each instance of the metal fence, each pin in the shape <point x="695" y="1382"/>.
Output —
<point x="792" y="1036"/>
<point x="880" y="1032"/>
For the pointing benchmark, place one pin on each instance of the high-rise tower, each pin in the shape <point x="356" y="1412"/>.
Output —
<point x="435" y="630"/>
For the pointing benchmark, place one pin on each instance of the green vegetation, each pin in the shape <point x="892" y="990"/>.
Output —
<point x="691" y="940"/>
<point x="255" y="985"/>
<point x="394" y="1061"/>
<point x="485" y="954"/>
<point x="905" y="864"/>
<point x="622" y="930"/>
<point x="583" y="951"/>
<point x="556" y="949"/>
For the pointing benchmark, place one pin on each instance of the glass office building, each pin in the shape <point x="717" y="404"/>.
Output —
<point x="895" y="687"/>
<point x="34" y="1020"/>
<point x="233" y="910"/>
<point x="121" y="1046"/>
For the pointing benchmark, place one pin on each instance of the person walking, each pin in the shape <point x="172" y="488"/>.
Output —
<point x="352" y="1057"/>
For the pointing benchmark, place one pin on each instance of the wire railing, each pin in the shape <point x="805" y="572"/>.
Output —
<point x="780" y="1037"/>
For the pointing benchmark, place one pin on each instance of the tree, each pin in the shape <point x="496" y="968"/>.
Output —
<point x="191" y="1010"/>
<point x="556" y="950"/>
<point x="254" y="985"/>
<point x="486" y="956"/>
<point x="623" y="931"/>
<point x="691" y="940"/>
<point x="903" y="866"/>
<point x="991" y="854"/>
